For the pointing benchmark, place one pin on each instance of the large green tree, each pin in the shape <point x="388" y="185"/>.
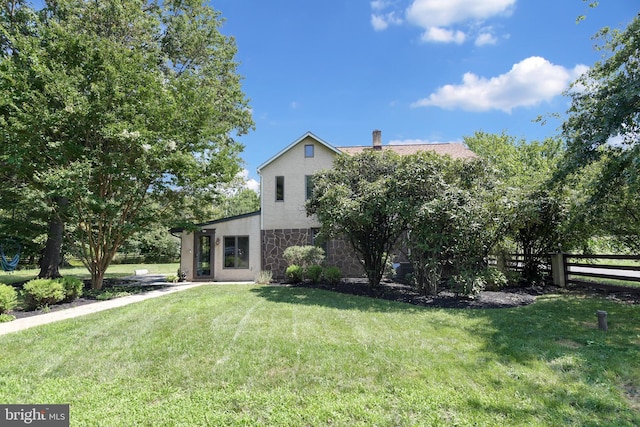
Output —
<point x="602" y="133"/>
<point x="533" y="212"/>
<point x="452" y="224"/>
<point x="114" y="108"/>
<point x="362" y="200"/>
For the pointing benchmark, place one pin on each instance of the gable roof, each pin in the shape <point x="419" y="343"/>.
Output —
<point x="453" y="149"/>
<point x="216" y="221"/>
<point x="296" y="142"/>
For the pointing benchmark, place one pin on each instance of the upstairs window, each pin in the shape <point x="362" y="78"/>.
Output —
<point x="308" y="150"/>
<point x="309" y="186"/>
<point x="279" y="188"/>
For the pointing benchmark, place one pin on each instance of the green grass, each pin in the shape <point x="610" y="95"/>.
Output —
<point x="249" y="355"/>
<point x="114" y="270"/>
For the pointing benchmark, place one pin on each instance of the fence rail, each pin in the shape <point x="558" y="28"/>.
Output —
<point x="589" y="270"/>
<point x="594" y="271"/>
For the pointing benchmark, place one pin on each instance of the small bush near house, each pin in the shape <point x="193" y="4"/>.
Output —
<point x="332" y="275"/>
<point x="8" y="298"/>
<point x="294" y="274"/>
<point x="494" y="279"/>
<point x="264" y="277"/>
<point x="171" y="278"/>
<point x="72" y="287"/>
<point x="314" y="273"/>
<point x="303" y="255"/>
<point x="467" y="283"/>
<point x="42" y="292"/>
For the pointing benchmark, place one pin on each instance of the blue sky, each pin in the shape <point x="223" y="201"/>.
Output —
<point x="419" y="70"/>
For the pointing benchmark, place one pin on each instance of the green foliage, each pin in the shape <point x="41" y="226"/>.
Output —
<point x="536" y="226"/>
<point x="171" y="278"/>
<point x="264" y="277"/>
<point x="126" y="109"/>
<point x="40" y="293"/>
<point x="364" y="199"/>
<point x="313" y="273"/>
<point x="534" y="217"/>
<point x="8" y="298"/>
<point x="294" y="273"/>
<point x="467" y="282"/>
<point x="494" y="279"/>
<point x="333" y="275"/>
<point x="454" y="228"/>
<point x="602" y="140"/>
<point x="72" y="287"/>
<point x="304" y="255"/>
<point x="4" y="317"/>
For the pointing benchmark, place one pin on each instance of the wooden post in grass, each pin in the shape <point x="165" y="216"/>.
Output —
<point x="558" y="269"/>
<point x="602" y="320"/>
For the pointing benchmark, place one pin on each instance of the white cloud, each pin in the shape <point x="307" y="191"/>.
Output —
<point x="249" y="183"/>
<point x="379" y="4"/>
<point x="378" y="22"/>
<point x="484" y="39"/>
<point x="381" y="22"/>
<point x="252" y="184"/>
<point x="419" y="141"/>
<point x="438" y="13"/>
<point x="529" y="82"/>
<point x="442" y="21"/>
<point x="442" y="35"/>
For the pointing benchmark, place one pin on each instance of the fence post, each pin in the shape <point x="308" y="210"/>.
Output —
<point x="557" y="269"/>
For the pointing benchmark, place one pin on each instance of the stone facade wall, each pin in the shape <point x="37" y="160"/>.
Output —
<point x="341" y="254"/>
<point x="274" y="242"/>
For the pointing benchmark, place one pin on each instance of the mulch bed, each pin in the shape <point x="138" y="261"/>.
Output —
<point x="505" y="298"/>
<point x="130" y="285"/>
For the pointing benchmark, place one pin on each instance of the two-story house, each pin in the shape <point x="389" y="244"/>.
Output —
<point x="237" y="248"/>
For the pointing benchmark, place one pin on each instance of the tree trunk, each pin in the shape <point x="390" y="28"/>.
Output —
<point x="52" y="256"/>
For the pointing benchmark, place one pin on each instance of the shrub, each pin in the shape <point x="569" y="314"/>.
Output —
<point x="72" y="288"/>
<point x="303" y="255"/>
<point x="264" y="277"/>
<point x="467" y="283"/>
<point x="42" y="292"/>
<point x="494" y="278"/>
<point x="6" y="318"/>
<point x="294" y="274"/>
<point x="8" y="298"/>
<point x="332" y="275"/>
<point x="314" y="273"/>
<point x="513" y="277"/>
<point x="171" y="278"/>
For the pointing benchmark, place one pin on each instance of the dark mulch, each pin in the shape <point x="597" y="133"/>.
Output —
<point x="403" y="293"/>
<point x="505" y="298"/>
<point x="115" y="285"/>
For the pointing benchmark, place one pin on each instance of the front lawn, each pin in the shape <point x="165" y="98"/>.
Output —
<point x="249" y="355"/>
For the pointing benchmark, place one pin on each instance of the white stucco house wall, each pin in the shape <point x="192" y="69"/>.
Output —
<point x="237" y="248"/>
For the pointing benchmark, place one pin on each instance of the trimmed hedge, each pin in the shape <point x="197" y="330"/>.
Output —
<point x="40" y="293"/>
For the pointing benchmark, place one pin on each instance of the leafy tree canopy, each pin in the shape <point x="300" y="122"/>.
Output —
<point x="118" y="107"/>
<point x="603" y="147"/>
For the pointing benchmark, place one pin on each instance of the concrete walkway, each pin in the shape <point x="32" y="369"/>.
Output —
<point x="94" y="307"/>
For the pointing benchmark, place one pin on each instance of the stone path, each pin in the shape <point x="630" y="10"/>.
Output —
<point x="42" y="319"/>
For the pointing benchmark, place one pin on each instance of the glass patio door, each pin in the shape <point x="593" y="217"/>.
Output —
<point x="204" y="255"/>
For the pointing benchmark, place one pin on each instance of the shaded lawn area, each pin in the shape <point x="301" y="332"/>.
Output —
<point x="249" y="355"/>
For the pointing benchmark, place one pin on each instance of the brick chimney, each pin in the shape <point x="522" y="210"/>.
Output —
<point x="377" y="140"/>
